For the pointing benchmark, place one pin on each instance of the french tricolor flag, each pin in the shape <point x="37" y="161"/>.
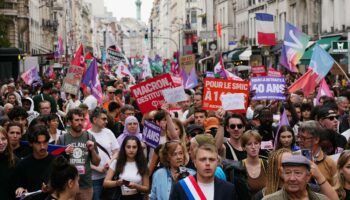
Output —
<point x="266" y="29"/>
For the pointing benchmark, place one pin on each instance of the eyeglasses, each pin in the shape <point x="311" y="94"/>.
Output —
<point x="302" y="138"/>
<point x="233" y="126"/>
<point x="331" y="118"/>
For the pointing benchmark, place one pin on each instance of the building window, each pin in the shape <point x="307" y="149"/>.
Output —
<point x="193" y="17"/>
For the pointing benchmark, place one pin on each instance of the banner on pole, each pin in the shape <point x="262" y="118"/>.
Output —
<point x="215" y="88"/>
<point x="148" y="94"/>
<point x="151" y="134"/>
<point x="270" y="88"/>
<point x="115" y="55"/>
<point x="71" y="83"/>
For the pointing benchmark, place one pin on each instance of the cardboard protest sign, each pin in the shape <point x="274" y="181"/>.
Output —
<point x="148" y="94"/>
<point x="233" y="101"/>
<point x="271" y="88"/>
<point x="174" y="95"/>
<point x="258" y="71"/>
<point x="151" y="134"/>
<point x="71" y="83"/>
<point x="274" y="73"/>
<point x="187" y="62"/>
<point x="215" y="88"/>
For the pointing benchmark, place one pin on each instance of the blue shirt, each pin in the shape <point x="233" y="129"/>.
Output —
<point x="162" y="183"/>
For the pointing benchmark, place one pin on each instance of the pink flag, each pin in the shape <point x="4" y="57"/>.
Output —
<point x="30" y="76"/>
<point x="323" y="90"/>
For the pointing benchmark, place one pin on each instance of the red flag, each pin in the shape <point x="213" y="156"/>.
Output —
<point x="79" y="59"/>
<point x="218" y="29"/>
<point x="89" y="56"/>
<point x="307" y="83"/>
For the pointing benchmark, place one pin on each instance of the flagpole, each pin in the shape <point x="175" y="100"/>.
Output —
<point x="341" y="69"/>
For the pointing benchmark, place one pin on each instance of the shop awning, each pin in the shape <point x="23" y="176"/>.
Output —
<point x="324" y="43"/>
<point x="234" y="55"/>
<point x="245" y="55"/>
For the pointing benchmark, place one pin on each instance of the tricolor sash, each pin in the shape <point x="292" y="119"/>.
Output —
<point x="192" y="189"/>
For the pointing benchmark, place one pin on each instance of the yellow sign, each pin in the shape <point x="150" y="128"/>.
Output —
<point x="187" y="62"/>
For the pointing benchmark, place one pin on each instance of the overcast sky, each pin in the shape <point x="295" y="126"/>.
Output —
<point x="127" y="8"/>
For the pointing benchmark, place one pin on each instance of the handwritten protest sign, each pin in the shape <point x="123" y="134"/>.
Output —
<point x="233" y="101"/>
<point x="174" y="95"/>
<point x="271" y="88"/>
<point x="71" y="83"/>
<point x="148" y="94"/>
<point x="215" y="88"/>
<point x="151" y="134"/>
<point x="187" y="62"/>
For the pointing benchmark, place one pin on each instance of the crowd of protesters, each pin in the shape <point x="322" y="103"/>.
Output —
<point x="201" y="154"/>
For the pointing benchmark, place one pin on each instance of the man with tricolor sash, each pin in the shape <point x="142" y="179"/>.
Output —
<point x="204" y="185"/>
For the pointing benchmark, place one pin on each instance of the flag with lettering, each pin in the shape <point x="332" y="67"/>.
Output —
<point x="265" y="28"/>
<point x="293" y="48"/>
<point x="91" y="79"/>
<point x="31" y="76"/>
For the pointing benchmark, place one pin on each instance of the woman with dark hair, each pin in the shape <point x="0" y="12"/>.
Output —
<point x="63" y="180"/>
<point x="52" y="122"/>
<point x="8" y="162"/>
<point x="286" y="139"/>
<point x="305" y="109"/>
<point x="130" y="169"/>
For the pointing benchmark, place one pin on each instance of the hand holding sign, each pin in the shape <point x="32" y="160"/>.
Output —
<point x="233" y="101"/>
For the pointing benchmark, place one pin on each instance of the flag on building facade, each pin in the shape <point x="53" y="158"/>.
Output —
<point x="265" y="29"/>
<point x="323" y="90"/>
<point x="218" y="30"/>
<point x="320" y="64"/>
<point x="92" y="80"/>
<point x="31" y="76"/>
<point x="293" y="48"/>
<point x="59" y="51"/>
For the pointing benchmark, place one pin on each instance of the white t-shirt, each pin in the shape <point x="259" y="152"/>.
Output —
<point x="91" y="102"/>
<point x="106" y="139"/>
<point x="208" y="190"/>
<point x="131" y="174"/>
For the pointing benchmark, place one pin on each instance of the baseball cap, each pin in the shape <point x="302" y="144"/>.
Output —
<point x="325" y="112"/>
<point x="211" y="122"/>
<point x="190" y="130"/>
<point x="204" y="138"/>
<point x="257" y="111"/>
<point x="296" y="160"/>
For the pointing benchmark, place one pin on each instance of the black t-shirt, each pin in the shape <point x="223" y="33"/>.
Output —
<point x="22" y="151"/>
<point x="31" y="173"/>
<point x="239" y="154"/>
<point x="6" y="177"/>
<point x="347" y="194"/>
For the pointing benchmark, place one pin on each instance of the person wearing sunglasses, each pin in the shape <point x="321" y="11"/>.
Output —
<point x="235" y="126"/>
<point x="328" y="119"/>
<point x="309" y="138"/>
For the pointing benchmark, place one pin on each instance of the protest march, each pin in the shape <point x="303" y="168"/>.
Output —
<point x="161" y="128"/>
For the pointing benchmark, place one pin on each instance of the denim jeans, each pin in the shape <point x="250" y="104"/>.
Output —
<point x="97" y="186"/>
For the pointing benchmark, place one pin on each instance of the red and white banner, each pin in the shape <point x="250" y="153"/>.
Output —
<point x="258" y="71"/>
<point x="148" y="94"/>
<point x="274" y="73"/>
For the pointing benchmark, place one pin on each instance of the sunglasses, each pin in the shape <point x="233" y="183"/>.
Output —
<point x="233" y="126"/>
<point x="331" y="118"/>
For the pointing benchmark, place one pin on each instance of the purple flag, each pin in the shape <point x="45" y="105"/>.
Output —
<point x="192" y="80"/>
<point x="283" y="121"/>
<point x="59" y="49"/>
<point x="91" y="79"/>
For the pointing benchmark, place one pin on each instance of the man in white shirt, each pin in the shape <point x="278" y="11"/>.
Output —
<point x="89" y="100"/>
<point x="107" y="146"/>
<point x="208" y="186"/>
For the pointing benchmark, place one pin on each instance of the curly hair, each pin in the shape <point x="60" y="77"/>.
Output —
<point x="168" y="149"/>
